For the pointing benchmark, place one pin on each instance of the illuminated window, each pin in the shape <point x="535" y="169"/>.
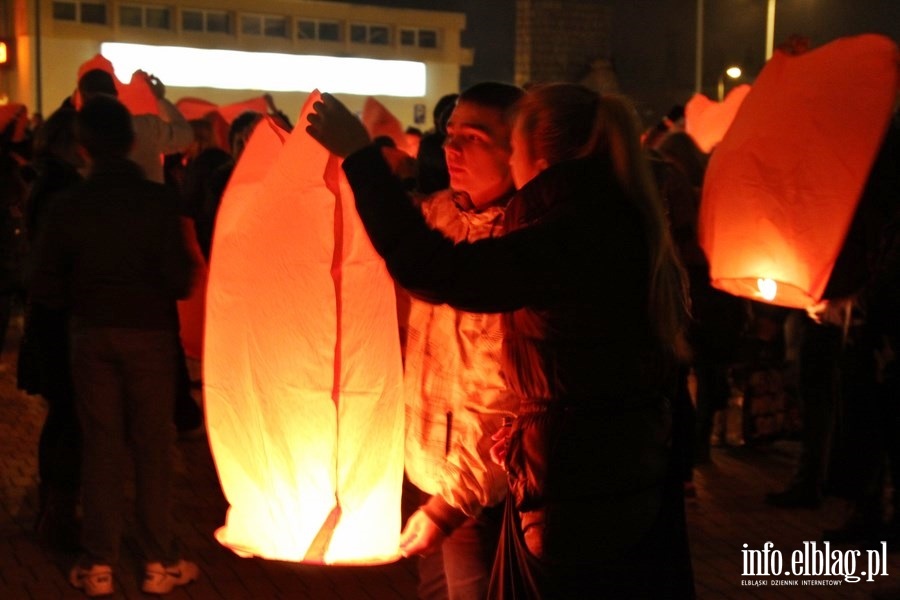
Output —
<point x="328" y="31"/>
<point x="370" y="34"/>
<point x="85" y="12"/>
<point x="423" y="38"/>
<point x="211" y="21"/>
<point x="152" y="17"/>
<point x="267" y="25"/>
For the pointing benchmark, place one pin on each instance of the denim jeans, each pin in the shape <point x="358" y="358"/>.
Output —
<point x="461" y="569"/>
<point x="125" y="382"/>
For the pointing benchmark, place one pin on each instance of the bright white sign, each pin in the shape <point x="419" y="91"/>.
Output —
<point x="234" y="70"/>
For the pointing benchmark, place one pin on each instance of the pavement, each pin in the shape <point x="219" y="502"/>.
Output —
<point x="727" y="513"/>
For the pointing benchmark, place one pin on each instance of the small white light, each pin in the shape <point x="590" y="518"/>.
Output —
<point x="733" y="72"/>
<point x="767" y="289"/>
<point x="235" y="70"/>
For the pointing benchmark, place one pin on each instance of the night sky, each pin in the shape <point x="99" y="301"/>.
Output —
<point x="653" y="41"/>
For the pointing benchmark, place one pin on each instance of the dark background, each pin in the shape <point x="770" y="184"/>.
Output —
<point x="653" y="42"/>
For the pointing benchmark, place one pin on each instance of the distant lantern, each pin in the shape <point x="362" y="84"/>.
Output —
<point x="301" y="365"/>
<point x="783" y="184"/>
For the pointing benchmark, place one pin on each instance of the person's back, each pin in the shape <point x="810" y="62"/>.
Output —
<point x="155" y="135"/>
<point x="112" y="252"/>
<point x="128" y="261"/>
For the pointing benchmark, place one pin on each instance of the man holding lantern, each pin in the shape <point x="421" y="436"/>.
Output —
<point x="455" y="393"/>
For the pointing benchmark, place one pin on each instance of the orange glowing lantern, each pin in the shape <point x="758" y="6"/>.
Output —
<point x="783" y="184"/>
<point x="301" y="364"/>
<point x="707" y="121"/>
<point x="136" y="94"/>
<point x="379" y="121"/>
<point x="196" y="108"/>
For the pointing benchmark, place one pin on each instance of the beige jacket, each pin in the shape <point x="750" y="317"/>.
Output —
<point x="455" y="394"/>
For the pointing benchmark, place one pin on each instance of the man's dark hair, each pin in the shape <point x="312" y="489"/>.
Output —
<point x="245" y="121"/>
<point x="96" y="81"/>
<point x="103" y="126"/>
<point x="442" y="110"/>
<point x="492" y="94"/>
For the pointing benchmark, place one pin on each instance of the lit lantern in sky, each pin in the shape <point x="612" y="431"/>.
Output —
<point x="783" y="184"/>
<point x="301" y="366"/>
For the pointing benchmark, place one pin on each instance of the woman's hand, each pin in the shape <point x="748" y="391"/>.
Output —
<point x="420" y="536"/>
<point x="336" y="128"/>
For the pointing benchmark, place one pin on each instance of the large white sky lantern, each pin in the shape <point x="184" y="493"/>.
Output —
<point x="236" y="70"/>
<point x="301" y="366"/>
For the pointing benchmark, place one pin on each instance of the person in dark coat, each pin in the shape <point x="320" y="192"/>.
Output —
<point x="594" y="303"/>
<point x="113" y="254"/>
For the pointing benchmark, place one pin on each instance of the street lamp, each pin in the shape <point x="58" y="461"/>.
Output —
<point x="770" y="28"/>
<point x="732" y="72"/>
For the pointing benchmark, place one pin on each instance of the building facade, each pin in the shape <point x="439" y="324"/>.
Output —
<point x="52" y="38"/>
<point x="564" y="40"/>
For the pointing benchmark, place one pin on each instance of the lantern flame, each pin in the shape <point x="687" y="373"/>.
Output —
<point x="767" y="289"/>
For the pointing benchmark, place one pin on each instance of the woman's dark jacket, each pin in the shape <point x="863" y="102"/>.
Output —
<point x="570" y="274"/>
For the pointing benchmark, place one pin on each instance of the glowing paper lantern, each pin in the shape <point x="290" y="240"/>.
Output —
<point x="301" y="365"/>
<point x="379" y="121"/>
<point x="136" y="94"/>
<point x="707" y="121"/>
<point x="783" y="185"/>
<point x="196" y="108"/>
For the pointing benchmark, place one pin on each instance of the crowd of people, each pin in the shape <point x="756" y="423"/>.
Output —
<point x="564" y="351"/>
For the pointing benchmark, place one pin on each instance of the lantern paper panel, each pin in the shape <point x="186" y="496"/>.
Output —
<point x="783" y="184"/>
<point x="197" y="108"/>
<point x="706" y="121"/>
<point x="379" y="121"/>
<point x="301" y="365"/>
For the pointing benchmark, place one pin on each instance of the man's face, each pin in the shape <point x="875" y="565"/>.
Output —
<point x="477" y="151"/>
